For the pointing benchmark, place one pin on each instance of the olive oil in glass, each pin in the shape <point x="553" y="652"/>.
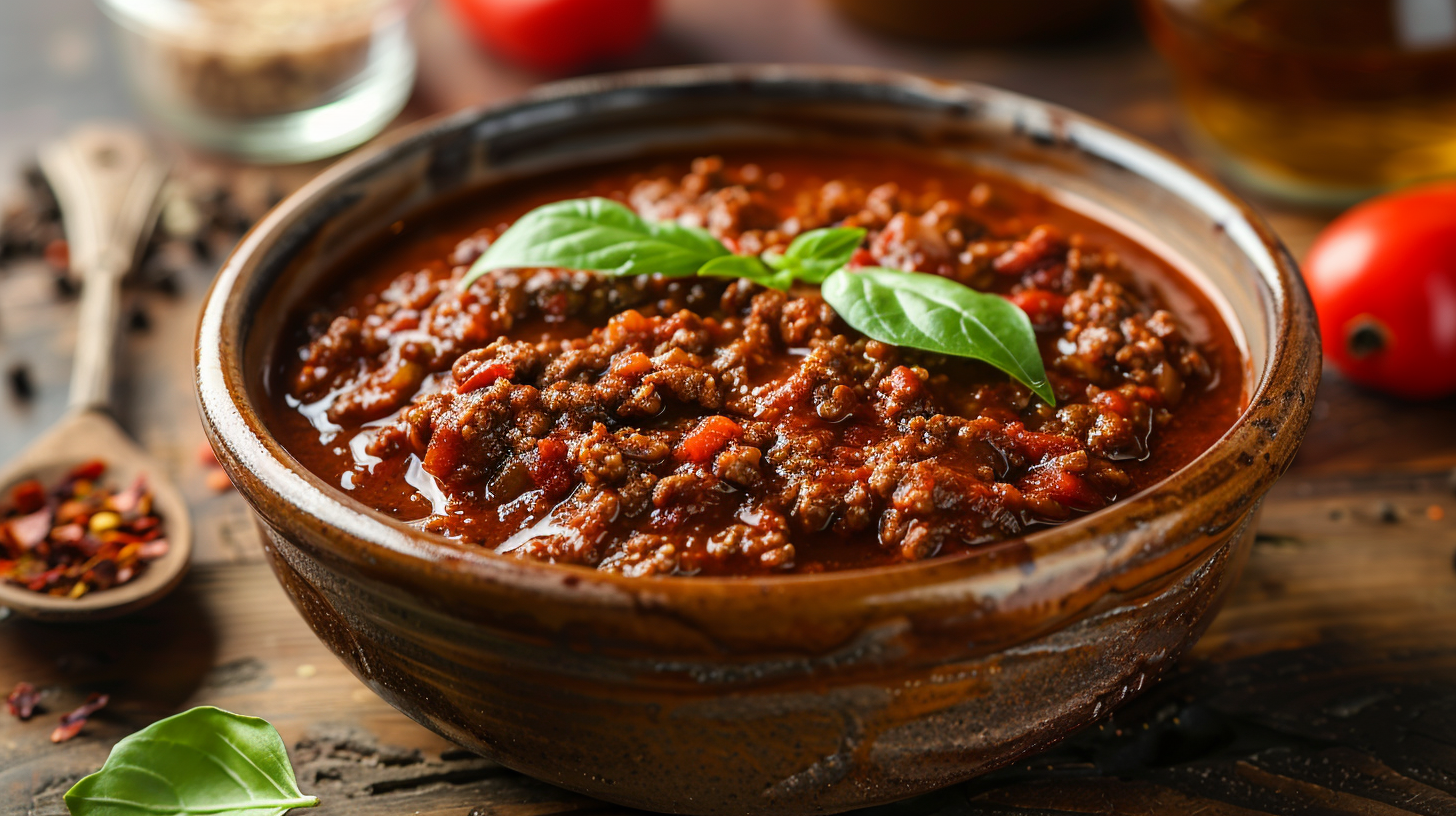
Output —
<point x="1319" y="101"/>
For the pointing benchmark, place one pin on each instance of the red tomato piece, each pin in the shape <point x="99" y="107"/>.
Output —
<point x="631" y="365"/>
<point x="1114" y="402"/>
<point x="1043" y="307"/>
<point x="1383" y="280"/>
<point x="1041" y="243"/>
<point x="486" y="375"/>
<point x="1066" y="489"/>
<point x="862" y="257"/>
<point x="558" y="35"/>
<point x="550" y="468"/>
<point x="1037" y="446"/>
<point x="710" y="436"/>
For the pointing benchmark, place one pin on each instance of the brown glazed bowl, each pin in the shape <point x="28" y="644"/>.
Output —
<point x="793" y="694"/>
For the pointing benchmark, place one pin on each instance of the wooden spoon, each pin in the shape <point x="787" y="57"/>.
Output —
<point x="107" y="182"/>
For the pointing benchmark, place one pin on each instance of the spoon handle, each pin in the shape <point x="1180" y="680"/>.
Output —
<point x="106" y="181"/>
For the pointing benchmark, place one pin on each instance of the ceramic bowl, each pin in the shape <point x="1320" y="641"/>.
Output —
<point x="791" y="694"/>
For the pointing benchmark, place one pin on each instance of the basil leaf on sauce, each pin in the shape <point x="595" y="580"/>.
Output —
<point x="745" y="266"/>
<point x="936" y="314"/>
<point x="816" y="254"/>
<point x="910" y="309"/>
<point x="205" y="760"/>
<point x="600" y="235"/>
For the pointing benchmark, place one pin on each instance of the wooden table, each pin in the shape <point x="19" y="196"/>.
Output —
<point x="1328" y="684"/>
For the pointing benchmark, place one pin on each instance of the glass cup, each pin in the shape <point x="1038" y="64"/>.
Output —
<point x="1316" y="101"/>
<point x="269" y="80"/>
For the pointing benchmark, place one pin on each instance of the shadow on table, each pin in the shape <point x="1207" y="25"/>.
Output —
<point x="150" y="661"/>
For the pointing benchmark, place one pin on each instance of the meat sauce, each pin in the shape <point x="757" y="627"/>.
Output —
<point x="699" y="426"/>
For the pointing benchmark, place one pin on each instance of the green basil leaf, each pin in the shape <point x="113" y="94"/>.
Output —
<point x="745" y="266"/>
<point x="932" y="313"/>
<point x="816" y="254"/>
<point x="202" y="761"/>
<point x="600" y="235"/>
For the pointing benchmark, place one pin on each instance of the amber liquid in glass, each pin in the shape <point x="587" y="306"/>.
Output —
<point x="1317" y="100"/>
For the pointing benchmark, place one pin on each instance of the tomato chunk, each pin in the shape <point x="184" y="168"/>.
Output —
<point x="1066" y="489"/>
<point x="710" y="436"/>
<point x="485" y="376"/>
<point x="1043" y="307"/>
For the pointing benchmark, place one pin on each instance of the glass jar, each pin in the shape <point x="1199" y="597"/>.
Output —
<point x="269" y="80"/>
<point x="1316" y="101"/>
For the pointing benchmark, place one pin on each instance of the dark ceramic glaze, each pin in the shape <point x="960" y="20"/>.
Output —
<point x="770" y="695"/>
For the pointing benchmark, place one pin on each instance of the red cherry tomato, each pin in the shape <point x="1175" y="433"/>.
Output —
<point x="1383" y="279"/>
<point x="558" y="35"/>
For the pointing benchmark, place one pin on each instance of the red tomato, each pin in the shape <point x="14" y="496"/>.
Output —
<point x="1383" y="279"/>
<point x="558" y="35"/>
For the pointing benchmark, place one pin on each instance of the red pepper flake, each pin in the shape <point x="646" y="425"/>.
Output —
<point x="58" y="255"/>
<point x="88" y="471"/>
<point x="72" y="722"/>
<point x="28" y="496"/>
<point x="80" y="536"/>
<point x="22" y="701"/>
<point x="30" y="530"/>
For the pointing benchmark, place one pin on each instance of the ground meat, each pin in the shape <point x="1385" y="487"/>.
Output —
<point x="650" y="426"/>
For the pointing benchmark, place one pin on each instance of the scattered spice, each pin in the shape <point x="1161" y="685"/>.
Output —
<point x="139" y="320"/>
<point x="21" y="385"/>
<point x="22" y="701"/>
<point x="66" y="289"/>
<point x="201" y="215"/>
<point x="58" y="255"/>
<point x="73" y="721"/>
<point x="79" y="537"/>
<point x="30" y="220"/>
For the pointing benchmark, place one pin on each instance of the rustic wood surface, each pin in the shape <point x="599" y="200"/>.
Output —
<point x="1327" y="685"/>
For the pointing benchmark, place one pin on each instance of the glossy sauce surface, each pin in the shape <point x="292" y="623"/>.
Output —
<point x="700" y="426"/>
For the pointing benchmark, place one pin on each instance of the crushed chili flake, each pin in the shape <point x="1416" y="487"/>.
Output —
<point x="22" y="701"/>
<point x="73" y="721"/>
<point x="79" y="536"/>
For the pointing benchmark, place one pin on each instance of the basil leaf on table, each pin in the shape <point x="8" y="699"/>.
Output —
<point x="816" y="254"/>
<point x="936" y="314"/>
<point x="202" y="761"/>
<point x="600" y="235"/>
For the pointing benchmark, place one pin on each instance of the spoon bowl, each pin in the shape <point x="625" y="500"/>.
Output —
<point x="79" y="437"/>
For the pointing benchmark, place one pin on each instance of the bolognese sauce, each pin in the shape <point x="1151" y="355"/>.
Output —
<point x="683" y="426"/>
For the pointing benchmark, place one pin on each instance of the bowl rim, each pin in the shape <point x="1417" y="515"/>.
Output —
<point x="258" y="462"/>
